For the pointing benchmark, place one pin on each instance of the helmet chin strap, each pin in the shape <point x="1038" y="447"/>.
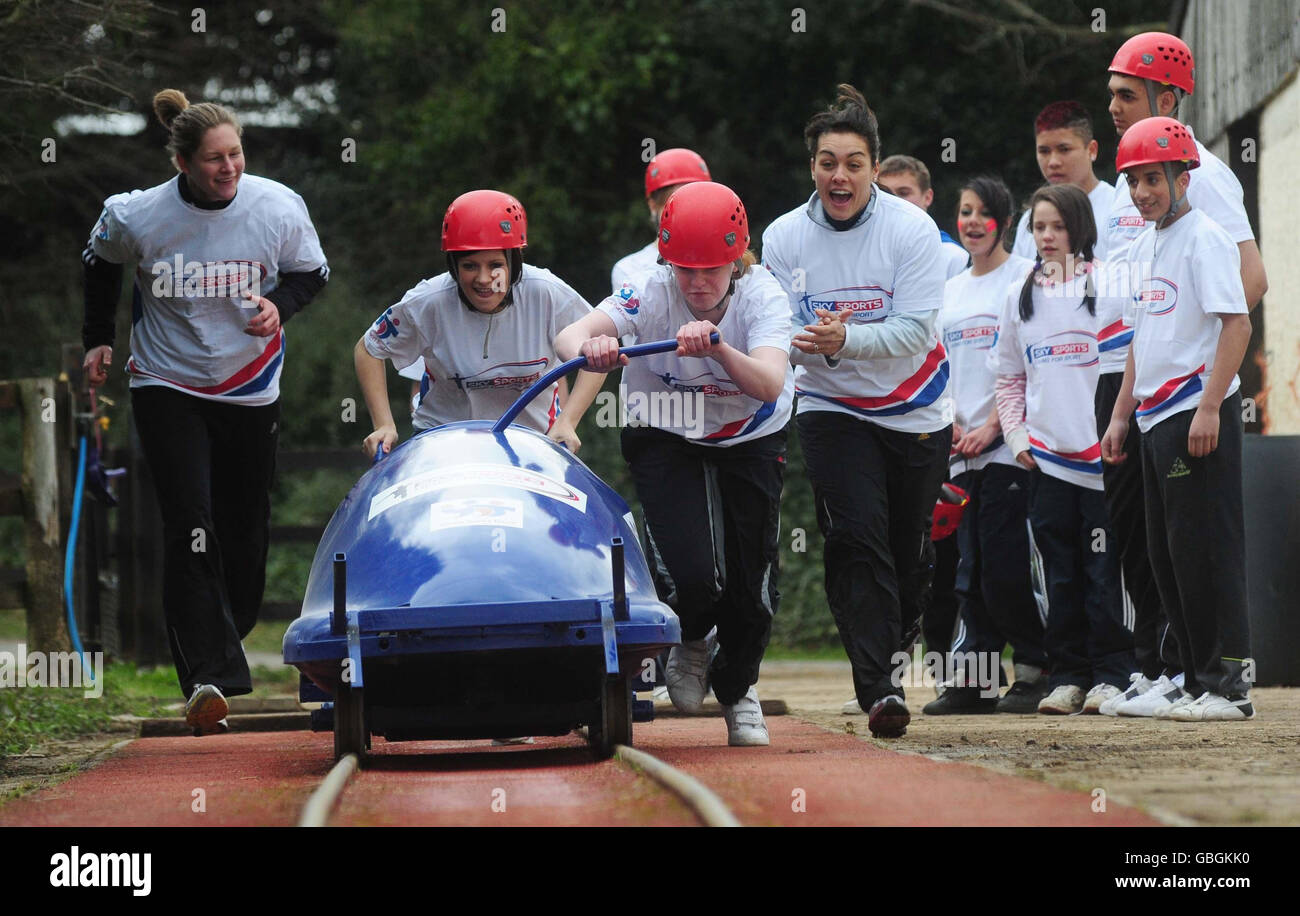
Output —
<point x="1176" y="203"/>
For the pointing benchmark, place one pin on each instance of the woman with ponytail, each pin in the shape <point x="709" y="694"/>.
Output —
<point x="875" y="422"/>
<point x="223" y="259"/>
<point x="1046" y="358"/>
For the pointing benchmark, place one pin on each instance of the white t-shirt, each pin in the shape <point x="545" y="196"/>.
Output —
<point x="634" y="267"/>
<point x="476" y="365"/>
<point x="1101" y="197"/>
<point x="1056" y="352"/>
<point x="955" y="257"/>
<point x="692" y="396"/>
<point x="1196" y="278"/>
<point x="883" y="266"/>
<point x="1212" y="189"/>
<point x="968" y="327"/>
<point x="193" y="265"/>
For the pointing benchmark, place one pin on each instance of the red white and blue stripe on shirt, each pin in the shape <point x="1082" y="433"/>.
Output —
<point x="1087" y="461"/>
<point x="924" y="387"/>
<point x="254" y="377"/>
<point x="1172" y="392"/>
<point x="744" y="425"/>
<point x="1114" y="337"/>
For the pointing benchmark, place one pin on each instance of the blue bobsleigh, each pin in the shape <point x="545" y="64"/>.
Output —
<point x="480" y="582"/>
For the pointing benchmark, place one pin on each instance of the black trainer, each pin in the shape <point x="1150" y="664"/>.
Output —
<point x="1023" y="697"/>
<point x="961" y="701"/>
<point x="889" y="717"/>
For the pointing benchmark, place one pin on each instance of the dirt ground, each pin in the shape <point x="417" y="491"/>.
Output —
<point x="1184" y="773"/>
<point x="51" y="762"/>
<point x="1242" y="773"/>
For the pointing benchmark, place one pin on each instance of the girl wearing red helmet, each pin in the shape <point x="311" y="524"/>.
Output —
<point x="485" y="330"/>
<point x="664" y="174"/>
<point x="1190" y="333"/>
<point x="705" y="440"/>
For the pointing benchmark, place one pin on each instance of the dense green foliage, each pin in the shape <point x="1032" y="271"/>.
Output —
<point x="559" y="109"/>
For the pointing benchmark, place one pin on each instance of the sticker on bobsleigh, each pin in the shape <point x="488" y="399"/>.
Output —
<point x="473" y="475"/>
<point x="476" y="510"/>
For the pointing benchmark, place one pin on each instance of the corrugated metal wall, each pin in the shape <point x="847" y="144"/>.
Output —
<point x="1245" y="50"/>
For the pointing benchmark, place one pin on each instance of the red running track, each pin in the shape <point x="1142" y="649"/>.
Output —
<point x="265" y="779"/>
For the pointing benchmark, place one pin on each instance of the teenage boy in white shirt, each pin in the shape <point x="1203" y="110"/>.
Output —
<point x="1149" y="75"/>
<point x="1066" y="150"/>
<point x="1190" y="333"/>
<point x="907" y="177"/>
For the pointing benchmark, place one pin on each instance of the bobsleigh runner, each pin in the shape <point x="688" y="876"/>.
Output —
<point x="480" y="582"/>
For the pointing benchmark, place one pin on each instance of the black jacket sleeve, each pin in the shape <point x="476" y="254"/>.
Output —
<point x="295" y="290"/>
<point x="103" y="286"/>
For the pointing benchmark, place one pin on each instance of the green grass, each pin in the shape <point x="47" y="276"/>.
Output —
<point x="267" y="636"/>
<point x="13" y="625"/>
<point x="29" y="715"/>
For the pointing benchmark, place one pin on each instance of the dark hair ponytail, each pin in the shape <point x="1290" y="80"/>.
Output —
<point x="995" y="197"/>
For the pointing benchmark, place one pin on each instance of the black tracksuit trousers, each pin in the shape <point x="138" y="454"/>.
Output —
<point x="1196" y="534"/>
<point x="1087" y="642"/>
<point x="713" y="516"/>
<point x="1154" y="642"/>
<point x="993" y="579"/>
<point x="212" y="465"/>
<point x="874" y="490"/>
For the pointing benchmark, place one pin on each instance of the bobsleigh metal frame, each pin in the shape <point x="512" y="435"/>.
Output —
<point x="459" y="671"/>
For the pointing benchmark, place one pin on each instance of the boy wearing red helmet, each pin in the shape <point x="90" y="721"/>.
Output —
<point x="484" y="329"/>
<point x="709" y="472"/>
<point x="1190" y="331"/>
<point x="664" y="174"/>
<point x="1149" y="75"/>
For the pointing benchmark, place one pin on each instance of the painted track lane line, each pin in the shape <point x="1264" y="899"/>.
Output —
<point x="704" y="804"/>
<point x="316" y="812"/>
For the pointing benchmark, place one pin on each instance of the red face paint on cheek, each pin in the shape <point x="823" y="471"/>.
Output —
<point x="991" y="226"/>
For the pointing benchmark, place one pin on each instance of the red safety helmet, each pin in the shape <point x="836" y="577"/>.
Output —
<point x="484" y="220"/>
<point x="1156" y="140"/>
<point x="703" y="225"/>
<point x="674" y="166"/>
<point x="1157" y="56"/>
<point x="947" y="511"/>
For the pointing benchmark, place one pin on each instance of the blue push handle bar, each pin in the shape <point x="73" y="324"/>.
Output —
<point x="580" y="362"/>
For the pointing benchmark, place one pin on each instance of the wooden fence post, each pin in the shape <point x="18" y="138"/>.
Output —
<point x="47" y="629"/>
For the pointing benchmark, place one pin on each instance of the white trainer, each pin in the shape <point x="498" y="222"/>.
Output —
<point x="1210" y="707"/>
<point x="687" y="673"/>
<point x="1138" y="685"/>
<point x="851" y="708"/>
<point x="1099" y="694"/>
<point x="1160" y="695"/>
<point x="1063" y="701"/>
<point x="745" y="725"/>
<point x="1166" y="712"/>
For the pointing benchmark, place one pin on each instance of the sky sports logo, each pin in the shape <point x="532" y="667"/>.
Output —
<point x="981" y="336"/>
<point x="181" y="279"/>
<point x="103" y="869"/>
<point x="848" y="305"/>
<point x="1077" y="353"/>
